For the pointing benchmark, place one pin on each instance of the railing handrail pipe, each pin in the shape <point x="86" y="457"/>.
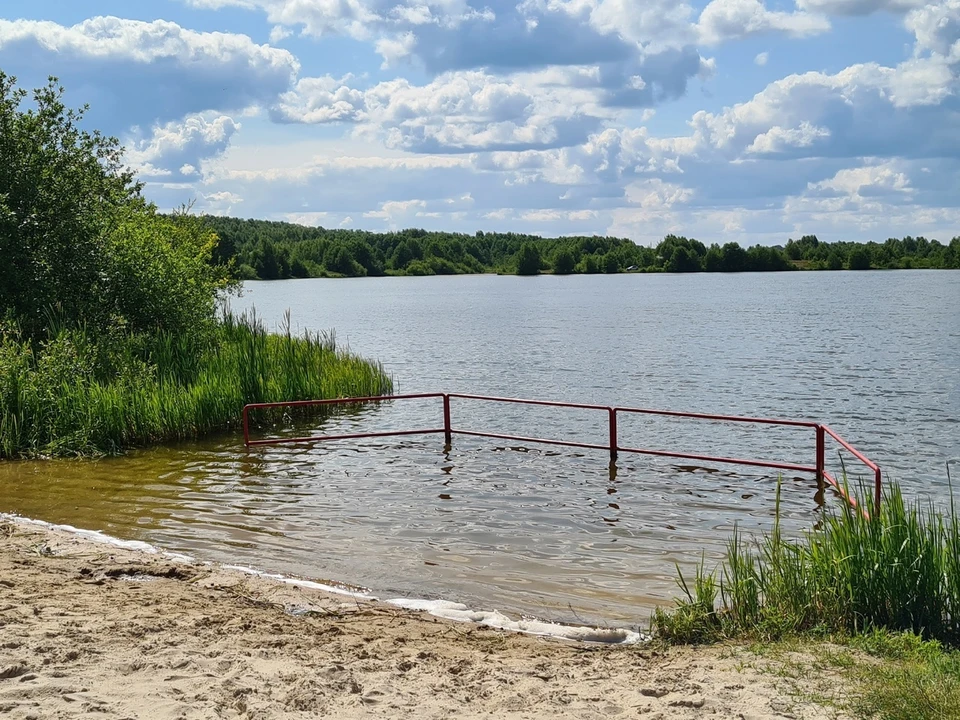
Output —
<point x="613" y="447"/>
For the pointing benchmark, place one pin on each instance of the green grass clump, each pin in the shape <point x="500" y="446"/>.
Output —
<point x="896" y="569"/>
<point x="76" y="394"/>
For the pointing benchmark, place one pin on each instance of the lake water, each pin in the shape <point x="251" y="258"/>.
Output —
<point x="541" y="530"/>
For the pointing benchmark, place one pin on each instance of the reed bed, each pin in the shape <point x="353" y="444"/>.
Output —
<point x="894" y="570"/>
<point x="73" y="396"/>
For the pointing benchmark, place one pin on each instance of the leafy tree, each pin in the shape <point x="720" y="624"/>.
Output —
<point x="563" y="262"/>
<point x="528" y="260"/>
<point x="835" y="260"/>
<point x="338" y="259"/>
<point x="713" y="260"/>
<point x="63" y="190"/>
<point x="80" y="244"/>
<point x="158" y="275"/>
<point x="733" y="258"/>
<point x="683" y="260"/>
<point x="859" y="259"/>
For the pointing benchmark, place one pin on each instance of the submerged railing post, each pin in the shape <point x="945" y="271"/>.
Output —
<point x="613" y="434"/>
<point x="821" y="454"/>
<point x="447" y="432"/>
<point x="612" y="446"/>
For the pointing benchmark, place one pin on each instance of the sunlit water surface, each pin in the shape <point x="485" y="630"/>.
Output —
<point x="532" y="529"/>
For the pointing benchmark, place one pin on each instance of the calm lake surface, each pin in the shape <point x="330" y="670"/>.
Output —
<point x="540" y="530"/>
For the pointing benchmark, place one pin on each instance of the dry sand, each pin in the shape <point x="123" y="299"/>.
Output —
<point x="92" y="630"/>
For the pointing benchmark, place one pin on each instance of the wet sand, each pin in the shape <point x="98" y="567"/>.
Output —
<point x="88" y="629"/>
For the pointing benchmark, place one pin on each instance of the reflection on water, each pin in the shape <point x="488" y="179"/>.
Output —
<point x="534" y="529"/>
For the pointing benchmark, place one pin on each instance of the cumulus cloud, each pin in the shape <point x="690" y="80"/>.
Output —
<point x="179" y="148"/>
<point x="457" y="112"/>
<point x="320" y="100"/>
<point x="653" y="40"/>
<point x="866" y="109"/>
<point x="139" y="73"/>
<point x="724" y="20"/>
<point x="778" y="139"/>
<point x="937" y="29"/>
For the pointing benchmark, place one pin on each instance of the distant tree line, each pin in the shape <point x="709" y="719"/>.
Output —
<point x="266" y="250"/>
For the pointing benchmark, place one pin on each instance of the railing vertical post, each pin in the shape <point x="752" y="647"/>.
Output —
<point x="246" y="426"/>
<point x="447" y="432"/>
<point x="821" y="453"/>
<point x="613" y="434"/>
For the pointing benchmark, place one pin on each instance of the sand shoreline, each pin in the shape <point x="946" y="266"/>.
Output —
<point x="88" y="628"/>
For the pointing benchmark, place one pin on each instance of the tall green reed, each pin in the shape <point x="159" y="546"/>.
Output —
<point x="896" y="569"/>
<point x="71" y="395"/>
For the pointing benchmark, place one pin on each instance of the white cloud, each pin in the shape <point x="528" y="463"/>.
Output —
<point x="937" y="29"/>
<point x="657" y="195"/>
<point x="778" y="139"/>
<point x="218" y="203"/>
<point x="320" y="100"/>
<point x="863" y="182"/>
<point x="394" y="209"/>
<point x="395" y="49"/>
<point x="864" y="109"/>
<point x="278" y="34"/>
<point x="180" y="147"/>
<point x="724" y="20"/>
<point x="457" y="112"/>
<point x="137" y="72"/>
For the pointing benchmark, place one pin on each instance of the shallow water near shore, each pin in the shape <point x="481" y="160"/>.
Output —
<point x="531" y="529"/>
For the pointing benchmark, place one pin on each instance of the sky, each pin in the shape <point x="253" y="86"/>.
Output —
<point x="727" y="120"/>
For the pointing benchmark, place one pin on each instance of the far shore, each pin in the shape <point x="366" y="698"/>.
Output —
<point x="88" y="627"/>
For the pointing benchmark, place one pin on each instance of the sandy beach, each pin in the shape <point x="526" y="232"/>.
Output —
<point x="88" y="629"/>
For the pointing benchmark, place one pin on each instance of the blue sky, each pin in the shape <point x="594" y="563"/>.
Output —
<point x="728" y="120"/>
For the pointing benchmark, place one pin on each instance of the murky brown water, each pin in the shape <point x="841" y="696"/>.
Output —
<point x="532" y="529"/>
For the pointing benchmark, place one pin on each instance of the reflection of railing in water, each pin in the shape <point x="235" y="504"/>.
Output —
<point x="613" y="447"/>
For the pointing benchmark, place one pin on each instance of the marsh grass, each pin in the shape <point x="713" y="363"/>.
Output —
<point x="78" y="395"/>
<point x="895" y="570"/>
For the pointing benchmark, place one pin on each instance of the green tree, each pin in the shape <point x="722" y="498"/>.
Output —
<point x="528" y="260"/>
<point x="733" y="258"/>
<point x="834" y="260"/>
<point x="78" y="241"/>
<point x="859" y="258"/>
<point x="158" y="274"/>
<point x="713" y="260"/>
<point x="683" y="260"/>
<point x="63" y="190"/>
<point x="563" y="262"/>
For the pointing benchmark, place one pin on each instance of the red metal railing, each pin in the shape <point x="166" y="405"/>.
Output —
<point x="613" y="447"/>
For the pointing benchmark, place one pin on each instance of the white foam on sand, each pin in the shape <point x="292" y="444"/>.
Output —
<point x="493" y="618"/>
<point x="440" y="608"/>
<point x="101" y="538"/>
<point x="335" y="589"/>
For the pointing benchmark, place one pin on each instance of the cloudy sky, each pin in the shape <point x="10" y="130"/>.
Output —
<point x="723" y="120"/>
